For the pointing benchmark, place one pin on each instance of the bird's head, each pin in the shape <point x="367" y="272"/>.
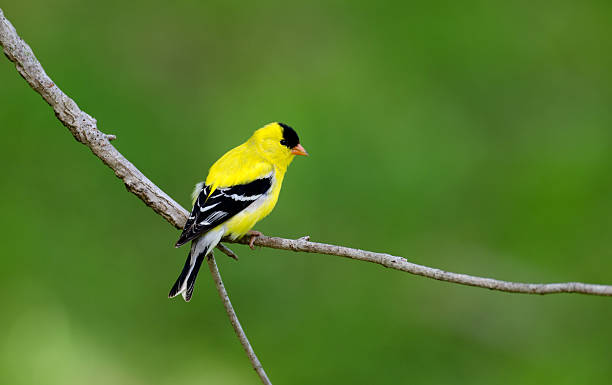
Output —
<point x="278" y="143"/>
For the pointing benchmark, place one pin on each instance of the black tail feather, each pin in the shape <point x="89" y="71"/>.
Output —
<point x="192" y="277"/>
<point x="176" y="289"/>
<point x="186" y="280"/>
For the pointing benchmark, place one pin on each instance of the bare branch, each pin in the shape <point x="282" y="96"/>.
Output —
<point x="84" y="129"/>
<point x="399" y="263"/>
<point x="212" y="266"/>
<point x="227" y="251"/>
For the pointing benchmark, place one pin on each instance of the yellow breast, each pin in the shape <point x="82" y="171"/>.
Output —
<point x="244" y="221"/>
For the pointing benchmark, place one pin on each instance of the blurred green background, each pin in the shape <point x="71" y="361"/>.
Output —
<point x="470" y="136"/>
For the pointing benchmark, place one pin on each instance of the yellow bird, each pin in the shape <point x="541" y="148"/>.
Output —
<point x="241" y="188"/>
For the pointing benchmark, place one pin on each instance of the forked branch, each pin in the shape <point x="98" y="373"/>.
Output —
<point x="84" y="128"/>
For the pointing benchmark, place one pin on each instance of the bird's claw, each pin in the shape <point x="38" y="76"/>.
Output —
<point x="253" y="234"/>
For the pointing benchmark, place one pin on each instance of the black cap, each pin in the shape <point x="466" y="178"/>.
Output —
<point x="290" y="137"/>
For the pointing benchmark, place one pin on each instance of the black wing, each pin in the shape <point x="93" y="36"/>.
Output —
<point x="210" y="211"/>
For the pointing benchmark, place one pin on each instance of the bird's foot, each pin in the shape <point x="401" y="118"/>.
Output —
<point x="253" y="234"/>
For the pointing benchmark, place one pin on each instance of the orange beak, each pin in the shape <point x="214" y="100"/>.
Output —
<point x="299" y="150"/>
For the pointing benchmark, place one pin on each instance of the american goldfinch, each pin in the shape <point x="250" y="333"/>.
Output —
<point x="241" y="188"/>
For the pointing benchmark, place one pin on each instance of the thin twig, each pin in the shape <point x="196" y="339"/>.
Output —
<point x="400" y="263"/>
<point x="214" y="270"/>
<point x="227" y="251"/>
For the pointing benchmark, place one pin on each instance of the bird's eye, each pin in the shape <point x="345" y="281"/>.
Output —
<point x="283" y="142"/>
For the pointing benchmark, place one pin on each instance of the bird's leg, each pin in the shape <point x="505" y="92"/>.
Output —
<point x="253" y="234"/>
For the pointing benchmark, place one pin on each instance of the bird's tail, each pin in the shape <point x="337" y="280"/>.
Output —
<point x="184" y="283"/>
<point x="200" y="248"/>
